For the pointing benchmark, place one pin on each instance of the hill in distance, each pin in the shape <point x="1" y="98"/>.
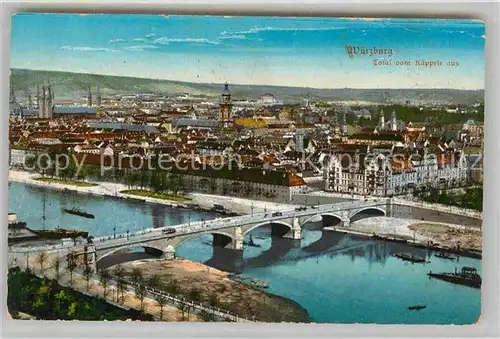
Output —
<point x="75" y="85"/>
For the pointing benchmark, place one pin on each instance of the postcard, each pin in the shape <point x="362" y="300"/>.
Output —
<point x="245" y="169"/>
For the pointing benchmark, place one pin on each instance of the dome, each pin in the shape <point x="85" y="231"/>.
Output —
<point x="226" y="90"/>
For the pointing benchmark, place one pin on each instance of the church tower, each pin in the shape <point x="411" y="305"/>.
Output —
<point x="394" y="121"/>
<point x="42" y="101"/>
<point x="381" y="121"/>
<point x="49" y="104"/>
<point x="225" y="105"/>
<point x="344" y="125"/>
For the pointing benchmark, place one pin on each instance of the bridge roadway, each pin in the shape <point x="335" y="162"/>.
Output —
<point x="152" y="234"/>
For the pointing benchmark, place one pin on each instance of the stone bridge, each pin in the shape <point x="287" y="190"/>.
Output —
<point x="230" y="232"/>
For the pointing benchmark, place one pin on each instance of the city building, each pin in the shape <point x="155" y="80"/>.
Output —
<point x="225" y="105"/>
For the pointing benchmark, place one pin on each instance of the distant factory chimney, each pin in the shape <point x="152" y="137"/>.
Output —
<point x="37" y="97"/>
<point x="98" y="97"/>
<point x="12" y="95"/>
<point x="89" y="98"/>
<point x="30" y="101"/>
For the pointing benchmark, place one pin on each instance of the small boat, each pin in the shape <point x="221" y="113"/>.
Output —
<point x="467" y="277"/>
<point x="259" y="283"/>
<point x="409" y="257"/>
<point x="80" y="213"/>
<point x="416" y="307"/>
<point x="445" y="256"/>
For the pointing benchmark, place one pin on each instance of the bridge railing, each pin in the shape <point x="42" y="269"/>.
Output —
<point x="220" y="223"/>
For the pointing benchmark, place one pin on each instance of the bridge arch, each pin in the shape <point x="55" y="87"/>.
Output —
<point x="145" y="246"/>
<point x="323" y="215"/>
<point x="221" y="239"/>
<point x="373" y="211"/>
<point x="278" y="228"/>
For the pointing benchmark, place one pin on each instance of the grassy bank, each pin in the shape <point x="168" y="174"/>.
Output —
<point x="45" y="299"/>
<point x="67" y="182"/>
<point x="212" y="287"/>
<point x="156" y="195"/>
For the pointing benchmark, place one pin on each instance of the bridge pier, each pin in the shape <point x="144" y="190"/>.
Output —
<point x="237" y="243"/>
<point x="168" y="253"/>
<point x="296" y="231"/>
<point x="389" y="207"/>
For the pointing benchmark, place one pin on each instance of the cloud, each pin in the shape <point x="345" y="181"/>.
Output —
<point x="363" y="19"/>
<point x="116" y="40"/>
<point x="234" y="36"/>
<point x="278" y="29"/>
<point x="483" y="36"/>
<point x="150" y="35"/>
<point x="87" y="49"/>
<point x="139" y="47"/>
<point x="140" y="39"/>
<point x="166" y="41"/>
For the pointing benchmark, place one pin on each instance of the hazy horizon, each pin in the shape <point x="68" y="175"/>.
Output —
<point x="242" y="84"/>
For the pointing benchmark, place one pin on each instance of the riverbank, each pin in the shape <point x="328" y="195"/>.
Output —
<point x="434" y="235"/>
<point x="236" y="297"/>
<point x="113" y="190"/>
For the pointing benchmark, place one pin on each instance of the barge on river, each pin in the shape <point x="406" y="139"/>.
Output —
<point x="60" y="233"/>
<point x="445" y="256"/>
<point x="80" y="213"/>
<point x="467" y="277"/>
<point x="410" y="257"/>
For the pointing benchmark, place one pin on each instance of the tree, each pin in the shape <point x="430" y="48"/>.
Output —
<point x="57" y="266"/>
<point x="87" y="274"/>
<point x="161" y="300"/>
<point x="41" y="258"/>
<point x="195" y="294"/>
<point x="71" y="266"/>
<point x="62" y="301"/>
<point x="140" y="293"/>
<point x="154" y="281"/>
<point x="206" y="316"/>
<point x="213" y="300"/>
<point x="42" y="300"/>
<point x="183" y="307"/>
<point x="118" y="271"/>
<point x="121" y="285"/>
<point x="173" y="287"/>
<point x="137" y="276"/>
<point x="104" y="281"/>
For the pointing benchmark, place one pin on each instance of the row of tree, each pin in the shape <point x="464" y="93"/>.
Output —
<point x="46" y="299"/>
<point x="172" y="286"/>
<point x="157" y="180"/>
<point x="472" y="198"/>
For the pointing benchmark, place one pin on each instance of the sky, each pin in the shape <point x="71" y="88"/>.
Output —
<point x="301" y="52"/>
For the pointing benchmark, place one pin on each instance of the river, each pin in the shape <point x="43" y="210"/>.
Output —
<point x="336" y="278"/>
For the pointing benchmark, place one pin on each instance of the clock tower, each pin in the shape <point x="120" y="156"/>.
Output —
<point x="225" y="104"/>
